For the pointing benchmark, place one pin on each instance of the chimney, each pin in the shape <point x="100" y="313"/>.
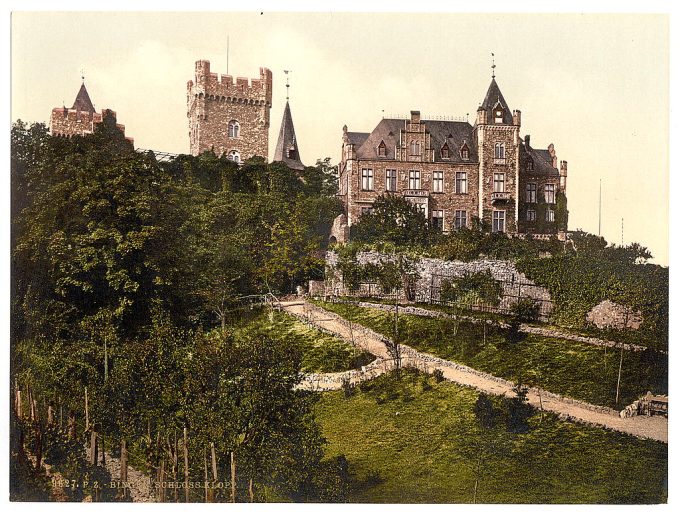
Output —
<point x="415" y="116"/>
<point x="517" y="117"/>
<point x="481" y="116"/>
<point x="527" y="140"/>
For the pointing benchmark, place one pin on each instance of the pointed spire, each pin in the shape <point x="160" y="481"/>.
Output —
<point x="83" y="102"/>
<point x="494" y="101"/>
<point x="286" y="148"/>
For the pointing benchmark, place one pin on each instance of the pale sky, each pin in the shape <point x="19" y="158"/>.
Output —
<point x="594" y="85"/>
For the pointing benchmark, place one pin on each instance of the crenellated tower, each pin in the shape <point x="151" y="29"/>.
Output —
<point x="229" y="116"/>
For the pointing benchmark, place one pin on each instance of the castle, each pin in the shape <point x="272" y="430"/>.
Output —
<point x="81" y="118"/>
<point x="229" y="117"/>
<point x="455" y="172"/>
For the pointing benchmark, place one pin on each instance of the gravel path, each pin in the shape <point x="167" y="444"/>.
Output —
<point x="140" y="484"/>
<point x="655" y="428"/>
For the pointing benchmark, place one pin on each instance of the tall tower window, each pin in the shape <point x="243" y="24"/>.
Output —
<point x="367" y="179"/>
<point x="234" y="129"/>
<point x="499" y="151"/>
<point x="499" y="182"/>
<point x="498" y="224"/>
<point x="234" y="156"/>
<point x="438" y="219"/>
<point x="461" y="182"/>
<point x="413" y="180"/>
<point x="391" y="180"/>
<point x="531" y="192"/>
<point x="438" y="182"/>
<point x="549" y="193"/>
<point x="460" y="221"/>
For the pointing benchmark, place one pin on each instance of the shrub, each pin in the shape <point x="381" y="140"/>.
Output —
<point x="438" y="375"/>
<point x="525" y="310"/>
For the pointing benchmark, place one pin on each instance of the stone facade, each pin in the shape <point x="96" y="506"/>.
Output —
<point x="229" y="117"/>
<point x="456" y="172"/>
<point x="80" y="119"/>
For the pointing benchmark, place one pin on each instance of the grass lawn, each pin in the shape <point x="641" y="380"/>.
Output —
<point x="320" y="352"/>
<point x="566" y="367"/>
<point x="418" y="441"/>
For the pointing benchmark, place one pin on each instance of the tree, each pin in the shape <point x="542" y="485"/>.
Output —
<point x="394" y="219"/>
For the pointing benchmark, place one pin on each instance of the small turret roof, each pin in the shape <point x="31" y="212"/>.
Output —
<point x="83" y="102"/>
<point x="287" y="143"/>
<point x="494" y="97"/>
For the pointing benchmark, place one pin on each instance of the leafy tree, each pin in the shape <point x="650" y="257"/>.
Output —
<point x="394" y="219"/>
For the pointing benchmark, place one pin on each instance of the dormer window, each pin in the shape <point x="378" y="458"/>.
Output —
<point x="530" y="165"/>
<point x="446" y="153"/>
<point x="465" y="152"/>
<point x="291" y="153"/>
<point x="498" y="112"/>
<point x="382" y="149"/>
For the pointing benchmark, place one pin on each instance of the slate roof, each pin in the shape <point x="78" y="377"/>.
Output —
<point x="83" y="102"/>
<point x="493" y="97"/>
<point x="541" y="158"/>
<point x="288" y="142"/>
<point x="455" y="134"/>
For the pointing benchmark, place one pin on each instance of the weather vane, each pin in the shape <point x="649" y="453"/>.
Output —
<point x="493" y="66"/>
<point x="82" y="75"/>
<point x="287" y="85"/>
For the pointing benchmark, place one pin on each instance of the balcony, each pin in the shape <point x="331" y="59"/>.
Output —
<point x="500" y="195"/>
<point x="416" y="193"/>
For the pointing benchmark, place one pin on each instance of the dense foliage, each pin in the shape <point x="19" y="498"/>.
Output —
<point x="122" y="265"/>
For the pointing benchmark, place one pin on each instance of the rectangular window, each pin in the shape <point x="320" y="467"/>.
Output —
<point x="391" y="180"/>
<point x="499" y="182"/>
<point x="550" y="215"/>
<point x="460" y="221"/>
<point x="438" y="220"/>
<point x="365" y="210"/>
<point x="531" y="192"/>
<point x="531" y="215"/>
<point x="461" y="182"/>
<point x="413" y="179"/>
<point x="550" y="193"/>
<point x="498" y="221"/>
<point x="438" y="182"/>
<point x="367" y="179"/>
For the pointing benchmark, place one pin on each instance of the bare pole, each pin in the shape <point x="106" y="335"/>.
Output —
<point x="599" y="212"/>
<point x="186" y="466"/>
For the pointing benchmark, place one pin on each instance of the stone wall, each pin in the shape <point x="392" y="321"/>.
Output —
<point x="213" y="101"/>
<point x="431" y="272"/>
<point x="72" y="122"/>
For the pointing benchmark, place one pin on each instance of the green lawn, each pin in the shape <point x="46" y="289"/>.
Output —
<point x="418" y="441"/>
<point x="320" y="352"/>
<point x="566" y="367"/>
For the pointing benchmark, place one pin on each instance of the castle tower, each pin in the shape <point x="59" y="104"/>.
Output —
<point x="497" y="134"/>
<point x="229" y="117"/>
<point x="287" y="148"/>
<point x="80" y="119"/>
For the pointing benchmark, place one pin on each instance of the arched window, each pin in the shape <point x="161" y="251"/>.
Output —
<point x="234" y="129"/>
<point x="499" y="151"/>
<point x="234" y="156"/>
<point x="415" y="148"/>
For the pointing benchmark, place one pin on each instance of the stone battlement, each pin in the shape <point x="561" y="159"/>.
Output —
<point x="224" y="87"/>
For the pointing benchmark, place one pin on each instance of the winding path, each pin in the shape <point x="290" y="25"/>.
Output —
<point x="655" y="428"/>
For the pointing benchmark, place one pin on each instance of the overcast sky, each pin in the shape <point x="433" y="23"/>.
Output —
<point x="594" y="85"/>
